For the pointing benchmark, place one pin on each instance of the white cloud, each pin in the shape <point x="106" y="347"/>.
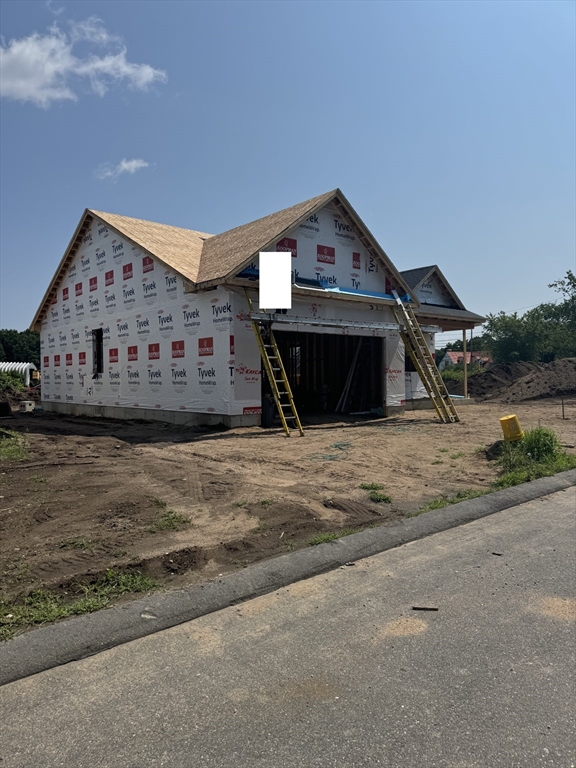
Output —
<point x="54" y="9"/>
<point x="108" y="171"/>
<point x="43" y="68"/>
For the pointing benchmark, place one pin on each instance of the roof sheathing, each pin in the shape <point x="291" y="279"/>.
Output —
<point x="179" y="249"/>
<point x="224" y="255"/>
<point x="223" y="250"/>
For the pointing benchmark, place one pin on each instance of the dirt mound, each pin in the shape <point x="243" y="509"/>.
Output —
<point x="521" y="381"/>
<point x="491" y="382"/>
<point x="553" y="380"/>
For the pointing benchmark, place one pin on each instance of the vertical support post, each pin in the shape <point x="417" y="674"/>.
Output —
<point x="465" y="363"/>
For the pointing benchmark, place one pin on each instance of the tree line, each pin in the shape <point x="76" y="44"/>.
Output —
<point x="544" y="333"/>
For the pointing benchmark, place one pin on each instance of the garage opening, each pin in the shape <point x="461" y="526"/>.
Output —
<point x="318" y="366"/>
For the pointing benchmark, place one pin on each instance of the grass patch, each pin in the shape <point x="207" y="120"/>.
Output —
<point x="380" y="498"/>
<point x="457" y="455"/>
<point x="446" y="501"/>
<point x="538" y="454"/>
<point x="322" y="538"/>
<point x="43" y="606"/>
<point x="240" y="504"/>
<point x="266" y="502"/>
<point x="438" y="461"/>
<point x="12" y="446"/>
<point x="169" y="521"/>
<point x="442" y="450"/>
<point x="375" y="493"/>
<point x="76" y="544"/>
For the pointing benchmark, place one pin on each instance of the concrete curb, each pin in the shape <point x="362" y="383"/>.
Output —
<point x="83" y="636"/>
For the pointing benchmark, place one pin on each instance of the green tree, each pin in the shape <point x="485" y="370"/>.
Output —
<point x="19" y="347"/>
<point x="542" y="334"/>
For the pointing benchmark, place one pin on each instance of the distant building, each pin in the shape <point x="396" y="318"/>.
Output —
<point x="457" y="358"/>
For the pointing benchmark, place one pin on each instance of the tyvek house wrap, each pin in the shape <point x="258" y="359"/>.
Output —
<point x="303" y="309"/>
<point x="163" y="348"/>
<point x="415" y="389"/>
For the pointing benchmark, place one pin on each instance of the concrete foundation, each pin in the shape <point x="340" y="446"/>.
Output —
<point x="178" y="418"/>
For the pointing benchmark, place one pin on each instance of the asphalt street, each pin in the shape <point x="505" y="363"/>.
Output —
<point x="340" y="670"/>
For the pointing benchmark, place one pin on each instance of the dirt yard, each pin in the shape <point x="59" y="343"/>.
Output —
<point x="97" y="494"/>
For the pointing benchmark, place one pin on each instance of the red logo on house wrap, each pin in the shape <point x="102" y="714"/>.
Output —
<point x="109" y="277"/>
<point x="46" y="361"/>
<point x="113" y="355"/>
<point x="288" y="244"/>
<point x="69" y="358"/>
<point x="356" y="264"/>
<point x="93" y="284"/>
<point x="147" y="264"/>
<point x="78" y="289"/>
<point x="325" y="254"/>
<point x="177" y="349"/>
<point x="127" y="272"/>
<point x="133" y="353"/>
<point x="82" y="358"/>
<point x="65" y="294"/>
<point x="206" y="346"/>
<point x="251" y="411"/>
<point x="57" y="360"/>
<point x="232" y="345"/>
<point x="153" y="351"/>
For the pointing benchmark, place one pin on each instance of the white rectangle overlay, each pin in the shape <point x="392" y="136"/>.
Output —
<point x="275" y="280"/>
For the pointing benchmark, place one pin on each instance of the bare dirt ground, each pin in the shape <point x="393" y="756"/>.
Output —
<point x="90" y="492"/>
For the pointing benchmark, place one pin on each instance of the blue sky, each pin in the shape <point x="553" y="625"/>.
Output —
<point x="448" y="125"/>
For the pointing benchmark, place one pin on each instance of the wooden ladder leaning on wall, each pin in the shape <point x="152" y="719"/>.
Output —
<point x="275" y="372"/>
<point x="424" y="363"/>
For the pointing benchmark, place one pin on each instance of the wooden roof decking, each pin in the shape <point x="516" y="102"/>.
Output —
<point x="204" y="260"/>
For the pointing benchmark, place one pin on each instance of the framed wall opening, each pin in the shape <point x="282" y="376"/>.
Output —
<point x="318" y="365"/>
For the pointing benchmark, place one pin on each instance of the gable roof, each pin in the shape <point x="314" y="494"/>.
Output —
<point x="415" y="278"/>
<point x="205" y="260"/>
<point x="177" y="248"/>
<point x="225" y="255"/>
<point x="229" y="252"/>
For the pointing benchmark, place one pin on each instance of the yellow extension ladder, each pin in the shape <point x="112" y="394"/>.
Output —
<point x="423" y="361"/>
<point x="276" y="374"/>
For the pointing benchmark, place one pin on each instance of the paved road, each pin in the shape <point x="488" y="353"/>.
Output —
<point x="339" y="670"/>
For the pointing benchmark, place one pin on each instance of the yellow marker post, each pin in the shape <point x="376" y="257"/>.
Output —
<point x="511" y="428"/>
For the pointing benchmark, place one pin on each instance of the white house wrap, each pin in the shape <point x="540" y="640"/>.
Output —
<point x="166" y="310"/>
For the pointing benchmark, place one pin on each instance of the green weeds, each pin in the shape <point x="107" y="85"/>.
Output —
<point x="375" y="493"/>
<point x="43" y="606"/>
<point x="446" y="501"/>
<point x="167" y="520"/>
<point x="322" y="538"/>
<point x="538" y="454"/>
<point x="12" y="446"/>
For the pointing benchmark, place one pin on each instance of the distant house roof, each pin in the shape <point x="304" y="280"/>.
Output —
<point x="416" y="276"/>
<point x="203" y="260"/>
<point x="458" y="357"/>
<point x="454" y="317"/>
